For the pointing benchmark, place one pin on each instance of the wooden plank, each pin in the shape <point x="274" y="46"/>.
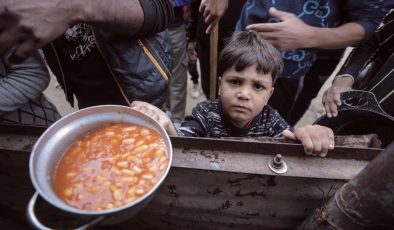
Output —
<point x="213" y="61"/>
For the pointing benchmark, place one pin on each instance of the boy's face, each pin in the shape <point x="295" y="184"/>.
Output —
<point x="244" y="94"/>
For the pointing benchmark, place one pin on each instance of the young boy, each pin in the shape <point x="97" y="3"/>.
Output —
<point x="251" y="66"/>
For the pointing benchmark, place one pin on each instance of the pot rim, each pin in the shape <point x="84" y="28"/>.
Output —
<point x="64" y="206"/>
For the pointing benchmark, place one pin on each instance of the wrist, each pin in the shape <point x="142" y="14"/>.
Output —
<point x="346" y="80"/>
<point x="312" y="37"/>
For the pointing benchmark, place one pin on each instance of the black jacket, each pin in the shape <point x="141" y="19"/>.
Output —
<point x="141" y="68"/>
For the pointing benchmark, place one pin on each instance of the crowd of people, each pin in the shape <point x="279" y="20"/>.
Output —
<point x="274" y="58"/>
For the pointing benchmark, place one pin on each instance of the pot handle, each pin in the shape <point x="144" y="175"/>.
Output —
<point x="31" y="216"/>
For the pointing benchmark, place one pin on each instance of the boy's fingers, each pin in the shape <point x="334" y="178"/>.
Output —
<point x="328" y="142"/>
<point x="306" y="140"/>
<point x="287" y="134"/>
<point x="317" y="143"/>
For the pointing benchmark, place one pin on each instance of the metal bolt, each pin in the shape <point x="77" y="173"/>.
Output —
<point x="278" y="165"/>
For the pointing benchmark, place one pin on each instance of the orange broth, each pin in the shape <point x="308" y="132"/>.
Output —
<point x="110" y="167"/>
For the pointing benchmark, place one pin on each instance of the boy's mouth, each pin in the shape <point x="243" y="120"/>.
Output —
<point x="241" y="108"/>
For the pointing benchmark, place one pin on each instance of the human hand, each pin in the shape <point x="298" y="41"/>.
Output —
<point x="26" y="26"/>
<point x="191" y="52"/>
<point x="289" y="34"/>
<point x="212" y="11"/>
<point x="316" y="139"/>
<point x="156" y="114"/>
<point x="332" y="96"/>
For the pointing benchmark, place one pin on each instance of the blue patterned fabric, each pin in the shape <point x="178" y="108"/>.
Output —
<point x="318" y="13"/>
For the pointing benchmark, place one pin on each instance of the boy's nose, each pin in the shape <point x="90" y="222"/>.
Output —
<point x="243" y="94"/>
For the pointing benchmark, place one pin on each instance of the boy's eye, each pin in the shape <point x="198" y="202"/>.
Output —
<point x="234" y="82"/>
<point x="259" y="86"/>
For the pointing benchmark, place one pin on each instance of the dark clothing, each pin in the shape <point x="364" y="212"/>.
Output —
<point x="192" y="69"/>
<point x="158" y="15"/>
<point x="320" y="71"/>
<point x="208" y="120"/>
<point x="178" y="18"/>
<point x="85" y="68"/>
<point x="196" y="32"/>
<point x="123" y="71"/>
<point x="379" y="52"/>
<point x="325" y="14"/>
<point x="102" y="67"/>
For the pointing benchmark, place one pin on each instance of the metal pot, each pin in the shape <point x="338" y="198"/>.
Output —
<point x="360" y="113"/>
<point x="54" y="142"/>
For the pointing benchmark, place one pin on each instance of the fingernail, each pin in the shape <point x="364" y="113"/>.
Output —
<point x="329" y="115"/>
<point x="331" y="146"/>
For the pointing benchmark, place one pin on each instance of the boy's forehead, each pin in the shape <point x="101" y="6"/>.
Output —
<point x="249" y="72"/>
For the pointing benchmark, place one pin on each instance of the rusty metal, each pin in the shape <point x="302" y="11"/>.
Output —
<point x="356" y="141"/>
<point x="343" y="163"/>
<point x="213" y="184"/>
<point x="365" y="202"/>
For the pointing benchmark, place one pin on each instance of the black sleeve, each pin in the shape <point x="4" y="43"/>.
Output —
<point x="158" y="14"/>
<point x="359" y="58"/>
<point x="365" y="53"/>
<point x="191" y="26"/>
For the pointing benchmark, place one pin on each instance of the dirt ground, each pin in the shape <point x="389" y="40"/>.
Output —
<point x="55" y="93"/>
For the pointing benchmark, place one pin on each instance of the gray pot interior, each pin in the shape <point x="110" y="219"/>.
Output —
<point x="51" y="146"/>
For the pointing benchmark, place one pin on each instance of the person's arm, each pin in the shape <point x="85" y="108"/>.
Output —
<point x="357" y="60"/>
<point x="212" y="11"/>
<point x="317" y="140"/>
<point x="157" y="114"/>
<point x="23" y="82"/>
<point x="292" y="33"/>
<point x="28" y="25"/>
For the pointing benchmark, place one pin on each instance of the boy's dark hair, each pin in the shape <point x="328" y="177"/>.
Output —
<point x="249" y="48"/>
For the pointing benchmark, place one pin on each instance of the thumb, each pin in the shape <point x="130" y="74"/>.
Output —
<point x="278" y="13"/>
<point x="287" y="134"/>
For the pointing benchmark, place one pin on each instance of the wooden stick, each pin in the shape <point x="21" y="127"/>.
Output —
<point x="213" y="61"/>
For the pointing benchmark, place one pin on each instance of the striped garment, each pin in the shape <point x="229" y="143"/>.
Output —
<point x="208" y="120"/>
<point x="377" y="54"/>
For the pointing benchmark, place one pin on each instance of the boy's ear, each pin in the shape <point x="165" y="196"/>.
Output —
<point x="220" y="81"/>
<point x="272" y="91"/>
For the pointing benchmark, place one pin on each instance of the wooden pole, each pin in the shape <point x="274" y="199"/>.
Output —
<point x="213" y="61"/>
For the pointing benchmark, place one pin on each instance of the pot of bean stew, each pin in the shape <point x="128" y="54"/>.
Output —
<point x="104" y="162"/>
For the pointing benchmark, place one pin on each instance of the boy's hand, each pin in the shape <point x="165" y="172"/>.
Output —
<point x="156" y="114"/>
<point x="316" y="139"/>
